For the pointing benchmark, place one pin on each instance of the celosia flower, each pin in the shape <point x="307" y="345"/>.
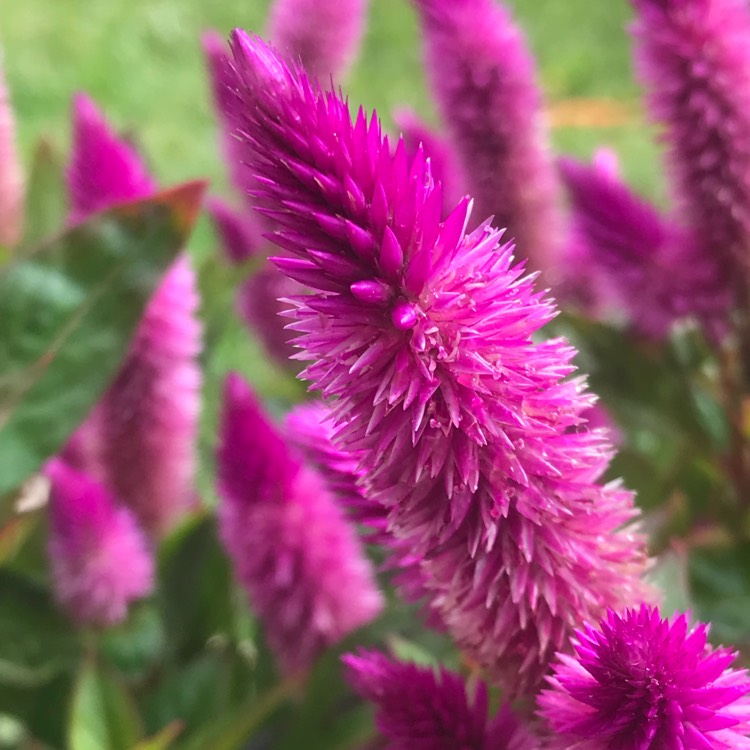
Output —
<point x="484" y="80"/>
<point x="104" y="170"/>
<point x="419" y="709"/>
<point x="323" y="34"/>
<point x="638" y="682"/>
<point x="624" y="255"/>
<point x="11" y="175"/>
<point x="694" y="59"/>
<point x="421" y="337"/>
<point x="309" y="428"/>
<point x="443" y="163"/>
<point x="100" y="559"/>
<point x="304" y="571"/>
<point x="147" y="421"/>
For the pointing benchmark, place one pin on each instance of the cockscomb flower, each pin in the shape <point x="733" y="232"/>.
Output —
<point x="309" y="428"/>
<point x="443" y="162"/>
<point x="421" y="339"/>
<point x="104" y="169"/>
<point x="305" y="573"/>
<point x="640" y="682"/>
<point x="484" y="79"/>
<point x="694" y="59"/>
<point x="11" y="174"/>
<point x="624" y="255"/>
<point x="100" y="559"/>
<point x="324" y="34"/>
<point x="147" y="421"/>
<point x="419" y="709"/>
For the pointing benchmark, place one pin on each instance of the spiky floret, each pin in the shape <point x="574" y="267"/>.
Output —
<point x="640" y="682"/>
<point x="444" y="165"/>
<point x="626" y="256"/>
<point x="324" y="34"/>
<point x="100" y="558"/>
<point x="420" y="337"/>
<point x="419" y="709"/>
<point x="11" y="174"/>
<point x="694" y="59"/>
<point x="143" y="431"/>
<point x="306" y="575"/>
<point x="484" y="79"/>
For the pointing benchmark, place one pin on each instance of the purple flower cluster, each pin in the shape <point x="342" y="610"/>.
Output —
<point x="420" y="337"/>
<point x="299" y="560"/>
<point x="639" y="682"/>
<point x="11" y="175"/>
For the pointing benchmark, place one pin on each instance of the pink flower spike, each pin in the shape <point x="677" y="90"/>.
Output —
<point x="11" y="173"/>
<point x="104" y="169"/>
<point x="640" y="682"/>
<point x="146" y="424"/>
<point x="100" y="559"/>
<point x="417" y="708"/>
<point x="484" y="79"/>
<point x="461" y="417"/>
<point x="149" y="415"/>
<point x="324" y="34"/>
<point x="299" y="560"/>
<point x="693" y="57"/>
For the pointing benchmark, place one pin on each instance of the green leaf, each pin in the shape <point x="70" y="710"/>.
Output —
<point x="46" y="196"/>
<point x="103" y="715"/>
<point x="195" y="587"/>
<point x="136" y="646"/>
<point x="36" y="640"/>
<point x="67" y="314"/>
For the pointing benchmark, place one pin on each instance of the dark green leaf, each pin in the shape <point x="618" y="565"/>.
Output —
<point x="67" y="314"/>
<point x="135" y="647"/>
<point x="103" y="715"/>
<point x="36" y="640"/>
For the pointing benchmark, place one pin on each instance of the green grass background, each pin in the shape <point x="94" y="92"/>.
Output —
<point x="142" y="61"/>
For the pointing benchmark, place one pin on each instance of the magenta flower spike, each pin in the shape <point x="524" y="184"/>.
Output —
<point x="324" y="35"/>
<point x="640" y="682"/>
<point x="100" y="559"/>
<point x="443" y="162"/>
<point x="421" y="339"/>
<point x="484" y="79"/>
<point x="11" y="173"/>
<point x="147" y="421"/>
<point x="299" y="560"/>
<point x="624" y="256"/>
<point x="693" y="57"/>
<point x="419" y="709"/>
<point x="104" y="170"/>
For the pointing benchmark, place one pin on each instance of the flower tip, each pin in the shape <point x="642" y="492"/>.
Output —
<point x="213" y="43"/>
<point x="257" y="57"/>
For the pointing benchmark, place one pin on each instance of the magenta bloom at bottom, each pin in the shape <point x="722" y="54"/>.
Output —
<point x="639" y="682"/>
<point x="419" y="709"/>
<point x="100" y="558"/>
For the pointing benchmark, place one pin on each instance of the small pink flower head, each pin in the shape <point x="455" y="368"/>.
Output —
<point x="693" y="57"/>
<point x="419" y="709"/>
<point x="11" y="174"/>
<point x="484" y="79"/>
<point x="324" y="34"/>
<point x="639" y="682"/>
<point x="104" y="169"/>
<point x="100" y="559"/>
<point x="144" y="429"/>
<point x="625" y="256"/>
<point x="422" y="339"/>
<point x="304" y="571"/>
